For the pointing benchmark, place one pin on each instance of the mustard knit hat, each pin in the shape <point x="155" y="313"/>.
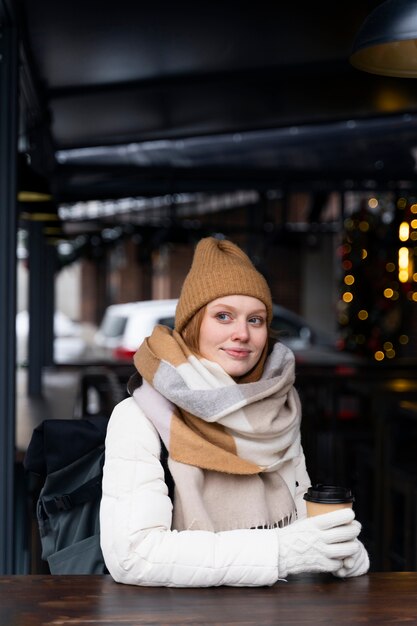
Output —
<point x="219" y="268"/>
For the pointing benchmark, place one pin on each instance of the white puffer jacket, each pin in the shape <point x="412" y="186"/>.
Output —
<point x="138" y="544"/>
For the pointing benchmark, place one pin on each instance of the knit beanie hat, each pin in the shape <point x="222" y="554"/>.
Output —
<point x="219" y="268"/>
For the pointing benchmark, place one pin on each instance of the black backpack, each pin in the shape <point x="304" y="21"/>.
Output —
<point x="68" y="458"/>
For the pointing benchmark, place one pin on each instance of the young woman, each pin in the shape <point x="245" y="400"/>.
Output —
<point x="225" y="408"/>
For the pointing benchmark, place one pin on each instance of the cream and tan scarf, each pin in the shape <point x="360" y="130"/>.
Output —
<point x="227" y="442"/>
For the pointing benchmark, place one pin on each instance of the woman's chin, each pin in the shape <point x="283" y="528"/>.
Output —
<point x="236" y="369"/>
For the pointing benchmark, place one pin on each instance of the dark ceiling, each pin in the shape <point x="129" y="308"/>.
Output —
<point x="130" y="98"/>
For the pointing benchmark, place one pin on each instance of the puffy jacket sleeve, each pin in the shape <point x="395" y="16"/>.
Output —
<point x="138" y="544"/>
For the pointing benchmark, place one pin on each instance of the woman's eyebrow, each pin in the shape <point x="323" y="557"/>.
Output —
<point x="219" y="305"/>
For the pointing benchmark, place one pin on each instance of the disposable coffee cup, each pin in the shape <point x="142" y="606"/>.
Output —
<point x="322" y="499"/>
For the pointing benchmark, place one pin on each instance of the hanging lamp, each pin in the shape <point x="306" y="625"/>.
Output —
<point x="387" y="41"/>
<point x="36" y="202"/>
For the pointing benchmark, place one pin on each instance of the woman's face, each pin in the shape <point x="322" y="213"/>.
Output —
<point x="233" y="333"/>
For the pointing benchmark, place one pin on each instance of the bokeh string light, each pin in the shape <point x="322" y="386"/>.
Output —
<point x="378" y="291"/>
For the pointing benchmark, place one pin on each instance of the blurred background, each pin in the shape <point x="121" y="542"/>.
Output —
<point x="130" y="131"/>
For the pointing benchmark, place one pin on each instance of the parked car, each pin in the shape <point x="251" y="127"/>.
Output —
<point x="125" y="326"/>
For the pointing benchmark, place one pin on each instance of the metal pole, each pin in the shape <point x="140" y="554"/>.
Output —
<point x="8" y="220"/>
<point x="49" y="285"/>
<point x="36" y="308"/>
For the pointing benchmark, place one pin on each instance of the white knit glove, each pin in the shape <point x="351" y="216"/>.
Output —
<point x="354" y="565"/>
<point x="318" y="544"/>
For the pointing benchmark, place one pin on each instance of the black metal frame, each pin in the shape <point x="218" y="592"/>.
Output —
<point x="8" y="213"/>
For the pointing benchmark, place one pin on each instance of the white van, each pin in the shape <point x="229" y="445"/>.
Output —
<point x="125" y="326"/>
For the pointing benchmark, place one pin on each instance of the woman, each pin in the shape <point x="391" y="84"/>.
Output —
<point x="229" y="416"/>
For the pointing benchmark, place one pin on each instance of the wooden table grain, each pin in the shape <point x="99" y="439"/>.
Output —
<point x="376" y="599"/>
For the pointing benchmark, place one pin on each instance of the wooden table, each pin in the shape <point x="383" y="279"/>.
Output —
<point x="378" y="598"/>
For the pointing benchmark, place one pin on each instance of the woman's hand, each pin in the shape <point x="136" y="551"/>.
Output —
<point x="355" y="565"/>
<point x="325" y="543"/>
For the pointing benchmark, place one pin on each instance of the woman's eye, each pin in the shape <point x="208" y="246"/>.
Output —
<point x="223" y="317"/>
<point x="256" y="321"/>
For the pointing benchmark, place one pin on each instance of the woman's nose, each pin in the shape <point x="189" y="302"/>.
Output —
<point x="241" y="331"/>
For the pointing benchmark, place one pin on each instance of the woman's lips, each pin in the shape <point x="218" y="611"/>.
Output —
<point x="236" y="353"/>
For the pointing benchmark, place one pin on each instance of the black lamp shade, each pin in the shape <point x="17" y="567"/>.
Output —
<point x="387" y="41"/>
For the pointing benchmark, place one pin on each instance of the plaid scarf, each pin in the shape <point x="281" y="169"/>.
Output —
<point x="227" y="442"/>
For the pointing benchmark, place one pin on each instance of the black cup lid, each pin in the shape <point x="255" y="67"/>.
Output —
<point x="329" y="494"/>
